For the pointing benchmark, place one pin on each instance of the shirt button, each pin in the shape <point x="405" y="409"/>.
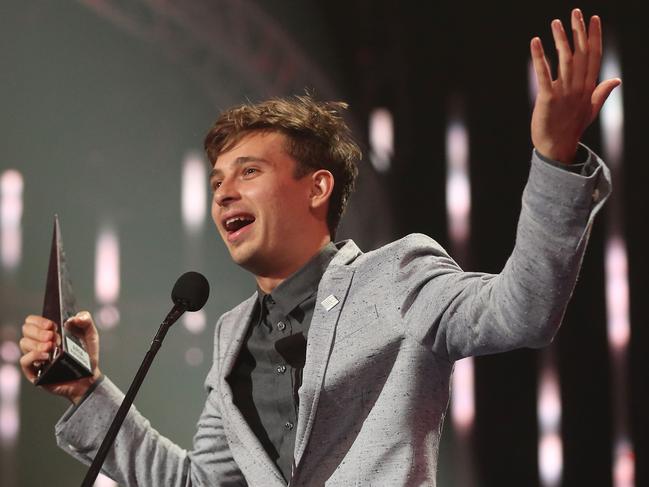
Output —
<point x="288" y="425"/>
<point x="281" y="326"/>
<point x="281" y="369"/>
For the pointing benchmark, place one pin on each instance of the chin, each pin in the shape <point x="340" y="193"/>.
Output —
<point x="243" y="257"/>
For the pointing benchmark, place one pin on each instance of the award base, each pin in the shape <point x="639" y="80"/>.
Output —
<point x="69" y="360"/>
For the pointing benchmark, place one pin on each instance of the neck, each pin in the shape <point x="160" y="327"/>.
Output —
<point x="267" y="283"/>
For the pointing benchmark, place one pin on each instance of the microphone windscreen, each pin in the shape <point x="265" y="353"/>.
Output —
<point x="191" y="291"/>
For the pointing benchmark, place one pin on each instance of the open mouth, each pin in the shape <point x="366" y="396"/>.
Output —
<point x="233" y="224"/>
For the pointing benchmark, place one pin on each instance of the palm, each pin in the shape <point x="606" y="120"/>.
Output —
<point x="567" y="105"/>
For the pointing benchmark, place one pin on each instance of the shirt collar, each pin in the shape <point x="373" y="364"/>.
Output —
<point x="302" y="284"/>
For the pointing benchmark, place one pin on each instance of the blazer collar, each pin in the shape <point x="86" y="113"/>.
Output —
<point x="330" y="300"/>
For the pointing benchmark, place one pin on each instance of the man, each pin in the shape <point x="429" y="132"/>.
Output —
<point x="337" y="370"/>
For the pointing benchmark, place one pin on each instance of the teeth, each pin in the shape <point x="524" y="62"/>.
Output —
<point x="229" y="221"/>
<point x="237" y="222"/>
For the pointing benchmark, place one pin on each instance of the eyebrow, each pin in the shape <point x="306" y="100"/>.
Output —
<point x="239" y="161"/>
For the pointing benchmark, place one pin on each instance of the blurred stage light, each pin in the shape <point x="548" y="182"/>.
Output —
<point x="194" y="192"/>
<point x="194" y="356"/>
<point x="612" y="116"/>
<point x="458" y="189"/>
<point x="107" y="267"/>
<point x="381" y="139"/>
<point x="617" y="280"/>
<point x="549" y="418"/>
<point x="195" y="322"/>
<point x="11" y="211"/>
<point x="107" y="277"/>
<point x="550" y="459"/>
<point x="463" y="403"/>
<point x="9" y="417"/>
<point x="624" y="467"/>
<point x="107" y="317"/>
<point x="549" y="402"/>
<point x="458" y="209"/>
<point x="103" y="481"/>
<point x="617" y="295"/>
<point x="9" y="352"/>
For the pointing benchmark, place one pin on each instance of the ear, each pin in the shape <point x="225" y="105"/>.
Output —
<point x="322" y="184"/>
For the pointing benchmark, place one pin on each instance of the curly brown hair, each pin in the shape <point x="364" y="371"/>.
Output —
<point x="317" y="135"/>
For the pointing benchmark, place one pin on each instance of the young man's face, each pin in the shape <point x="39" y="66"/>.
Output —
<point x="259" y="208"/>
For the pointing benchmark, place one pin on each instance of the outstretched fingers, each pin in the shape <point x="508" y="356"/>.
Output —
<point x="581" y="52"/>
<point x="594" y="51"/>
<point x="565" y="53"/>
<point x="541" y="66"/>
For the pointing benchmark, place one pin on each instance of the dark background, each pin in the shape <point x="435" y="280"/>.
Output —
<point x="100" y="102"/>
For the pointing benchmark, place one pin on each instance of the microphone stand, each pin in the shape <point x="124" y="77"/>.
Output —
<point x="175" y="313"/>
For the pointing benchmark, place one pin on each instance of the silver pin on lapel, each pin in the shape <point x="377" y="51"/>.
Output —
<point x="329" y="302"/>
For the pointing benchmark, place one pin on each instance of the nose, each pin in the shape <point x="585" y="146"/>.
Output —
<point x="226" y="193"/>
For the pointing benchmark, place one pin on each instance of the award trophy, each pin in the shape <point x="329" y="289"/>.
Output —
<point x="68" y="360"/>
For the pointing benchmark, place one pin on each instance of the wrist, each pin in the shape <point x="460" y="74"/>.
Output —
<point x="564" y="154"/>
<point x="86" y="387"/>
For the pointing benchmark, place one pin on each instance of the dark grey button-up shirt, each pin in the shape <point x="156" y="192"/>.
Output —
<point x="268" y="373"/>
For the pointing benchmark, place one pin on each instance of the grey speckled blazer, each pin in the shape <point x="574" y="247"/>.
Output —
<point x="387" y="328"/>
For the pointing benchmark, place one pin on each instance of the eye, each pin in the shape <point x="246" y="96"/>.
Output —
<point x="216" y="185"/>
<point x="249" y="170"/>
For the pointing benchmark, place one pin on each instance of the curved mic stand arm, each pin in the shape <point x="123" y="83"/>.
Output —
<point x="175" y="313"/>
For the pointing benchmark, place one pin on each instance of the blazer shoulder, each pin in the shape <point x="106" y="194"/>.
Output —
<point x="404" y="249"/>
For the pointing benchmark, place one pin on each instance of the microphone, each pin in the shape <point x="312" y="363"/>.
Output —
<point x="190" y="293"/>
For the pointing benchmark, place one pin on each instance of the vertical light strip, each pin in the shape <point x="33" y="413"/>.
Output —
<point x="549" y="418"/>
<point x="9" y="414"/>
<point x="548" y="409"/>
<point x="617" y="295"/>
<point x="10" y="384"/>
<point x="381" y="135"/>
<point x="194" y="192"/>
<point x="458" y="209"/>
<point x="458" y="189"/>
<point x="617" y="280"/>
<point x="612" y="116"/>
<point x="107" y="277"/>
<point x="11" y="212"/>
<point x="463" y="401"/>
<point x="194" y="210"/>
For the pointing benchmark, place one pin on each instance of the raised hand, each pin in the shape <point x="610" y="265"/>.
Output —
<point x="567" y="105"/>
<point x="40" y="337"/>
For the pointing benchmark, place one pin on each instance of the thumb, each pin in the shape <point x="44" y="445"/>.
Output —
<point x="601" y="93"/>
<point x="82" y="322"/>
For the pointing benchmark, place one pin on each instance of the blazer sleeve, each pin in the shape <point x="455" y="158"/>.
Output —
<point x="141" y="456"/>
<point x="459" y="314"/>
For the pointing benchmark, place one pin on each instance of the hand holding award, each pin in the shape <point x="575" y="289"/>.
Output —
<point x="61" y="348"/>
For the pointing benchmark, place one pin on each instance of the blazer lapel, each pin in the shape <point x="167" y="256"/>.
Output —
<point x="332" y="293"/>
<point x="244" y="316"/>
<point x="237" y="421"/>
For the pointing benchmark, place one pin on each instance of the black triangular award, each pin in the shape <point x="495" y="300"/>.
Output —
<point x="69" y="360"/>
